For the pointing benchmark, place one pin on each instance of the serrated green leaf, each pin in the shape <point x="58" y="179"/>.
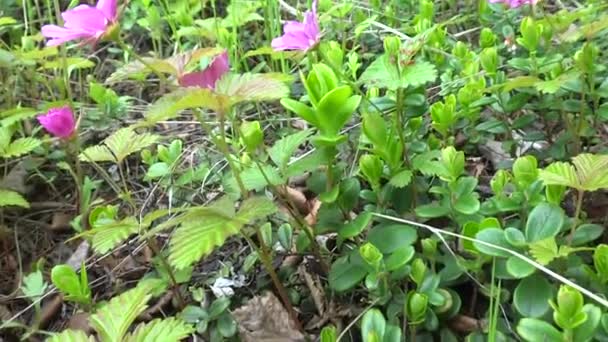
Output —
<point x="284" y="149"/>
<point x="170" y="105"/>
<point x="591" y="171"/>
<point x="33" y="285"/>
<point x="107" y="236"/>
<point x="384" y="74"/>
<point x="20" y="147"/>
<point x="544" y="251"/>
<point x="70" y="335"/>
<point x="172" y="65"/>
<point x="9" y="197"/>
<point x="170" y="329"/>
<point x="119" y="146"/>
<point x="113" y="319"/>
<point x="252" y="87"/>
<point x="401" y="179"/>
<point x="559" y="173"/>
<point x="203" y="230"/>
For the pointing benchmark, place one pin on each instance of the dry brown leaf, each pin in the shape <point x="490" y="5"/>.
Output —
<point x="80" y="321"/>
<point x="61" y="221"/>
<point x="49" y="310"/>
<point x="79" y="256"/>
<point x="297" y="198"/>
<point x="5" y="313"/>
<point x="264" y="319"/>
<point x="316" y="289"/>
<point x="15" y="179"/>
<point x="311" y="218"/>
<point x="465" y="324"/>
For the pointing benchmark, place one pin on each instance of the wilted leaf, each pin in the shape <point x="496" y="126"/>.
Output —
<point x="263" y="319"/>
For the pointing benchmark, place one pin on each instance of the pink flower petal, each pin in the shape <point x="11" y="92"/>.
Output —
<point x="208" y="77"/>
<point x="299" y="35"/>
<point x="85" y="18"/>
<point x="108" y="8"/>
<point x="59" y="122"/>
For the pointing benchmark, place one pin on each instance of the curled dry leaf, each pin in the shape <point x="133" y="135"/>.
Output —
<point x="79" y="256"/>
<point x="264" y="319"/>
<point x="50" y="309"/>
<point x="311" y="218"/>
<point x="61" y="221"/>
<point x="465" y="324"/>
<point x="313" y="283"/>
<point x="80" y="321"/>
<point x="297" y="198"/>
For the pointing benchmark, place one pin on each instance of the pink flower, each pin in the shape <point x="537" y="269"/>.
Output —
<point x="514" y="3"/>
<point x="300" y="36"/>
<point x="59" y="122"/>
<point x="208" y="77"/>
<point x="83" y="22"/>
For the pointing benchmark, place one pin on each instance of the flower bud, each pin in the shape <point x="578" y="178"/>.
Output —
<point x="59" y="122"/>
<point x="489" y="60"/>
<point x="392" y="45"/>
<point x="415" y="307"/>
<point x="251" y="135"/>
<point x="487" y="38"/>
<point x="371" y="255"/>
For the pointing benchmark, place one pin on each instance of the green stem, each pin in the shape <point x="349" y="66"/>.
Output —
<point x="302" y="225"/>
<point x="267" y="262"/>
<point x="165" y="264"/>
<point x="579" y="125"/>
<point x="125" y="187"/>
<point x="577" y="213"/>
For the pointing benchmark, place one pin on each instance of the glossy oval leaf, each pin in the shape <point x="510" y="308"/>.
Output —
<point x="532" y="295"/>
<point x="545" y="221"/>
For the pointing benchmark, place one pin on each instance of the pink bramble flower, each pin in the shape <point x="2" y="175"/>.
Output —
<point x="208" y="77"/>
<point x="514" y="3"/>
<point x="300" y="36"/>
<point x="59" y="122"/>
<point x="83" y="22"/>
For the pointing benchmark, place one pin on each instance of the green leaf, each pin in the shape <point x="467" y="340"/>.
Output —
<point x="399" y="258"/>
<point x="467" y="204"/>
<point x="591" y="171"/>
<point x="170" y="329"/>
<point x="373" y="324"/>
<point x="545" y="221"/>
<point x="401" y="179"/>
<point x="544" y="251"/>
<point x="389" y="238"/>
<point x="534" y="330"/>
<point x="432" y="210"/>
<point x="202" y="229"/>
<point x="70" y="335"/>
<point x="33" y="285"/>
<point x="329" y="334"/>
<point x="356" y="226"/>
<point x="158" y="170"/>
<point x="495" y="237"/>
<point x="586" y="233"/>
<point x="119" y="146"/>
<point x="65" y="279"/>
<point x="20" y="147"/>
<point x="170" y="105"/>
<point x="345" y="274"/>
<point x="519" y="268"/>
<point x="107" y="236"/>
<point x="600" y="261"/>
<point x="383" y="73"/>
<point x="587" y="330"/>
<point x="560" y="173"/>
<point x="532" y="295"/>
<point x="112" y="320"/>
<point x="12" y="198"/>
<point x="285" y="148"/>
<point x="252" y="87"/>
